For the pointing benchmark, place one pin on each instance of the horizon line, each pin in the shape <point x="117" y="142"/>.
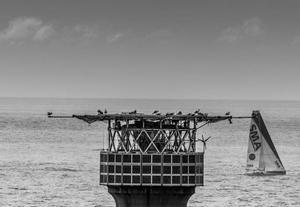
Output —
<point x="147" y="98"/>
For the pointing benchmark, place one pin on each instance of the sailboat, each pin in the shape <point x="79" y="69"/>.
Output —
<point x="262" y="157"/>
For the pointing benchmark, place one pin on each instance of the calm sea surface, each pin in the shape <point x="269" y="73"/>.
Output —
<point x="55" y="162"/>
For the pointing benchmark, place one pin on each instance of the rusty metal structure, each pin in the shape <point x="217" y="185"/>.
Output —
<point x="151" y="159"/>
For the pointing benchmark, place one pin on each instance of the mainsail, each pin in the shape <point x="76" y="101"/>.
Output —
<point x="262" y="157"/>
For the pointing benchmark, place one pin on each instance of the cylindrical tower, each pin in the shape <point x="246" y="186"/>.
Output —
<point x="151" y="162"/>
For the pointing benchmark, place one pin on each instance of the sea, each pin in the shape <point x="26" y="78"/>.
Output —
<point x="55" y="162"/>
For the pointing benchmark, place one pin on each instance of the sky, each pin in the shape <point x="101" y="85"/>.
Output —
<point x="208" y="49"/>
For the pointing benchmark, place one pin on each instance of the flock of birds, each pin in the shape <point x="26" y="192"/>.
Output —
<point x="101" y="112"/>
<point x="156" y="112"/>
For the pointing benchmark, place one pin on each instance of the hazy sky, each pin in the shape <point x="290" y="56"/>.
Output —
<point x="150" y="49"/>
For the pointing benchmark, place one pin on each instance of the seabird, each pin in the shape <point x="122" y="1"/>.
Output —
<point x="132" y="112"/>
<point x="155" y="112"/>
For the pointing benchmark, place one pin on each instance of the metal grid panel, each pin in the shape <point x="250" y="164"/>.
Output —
<point x="145" y="169"/>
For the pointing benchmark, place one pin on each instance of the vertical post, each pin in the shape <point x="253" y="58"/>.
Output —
<point x="127" y="136"/>
<point x="194" y="136"/>
<point x="109" y="134"/>
<point x="175" y="144"/>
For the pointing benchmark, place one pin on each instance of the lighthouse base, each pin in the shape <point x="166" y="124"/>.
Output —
<point x="150" y="196"/>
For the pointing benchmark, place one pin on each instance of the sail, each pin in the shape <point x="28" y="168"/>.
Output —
<point x="262" y="157"/>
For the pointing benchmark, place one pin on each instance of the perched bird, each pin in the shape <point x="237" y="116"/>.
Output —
<point x="197" y="111"/>
<point x="155" y="112"/>
<point x="105" y="111"/>
<point x="100" y="112"/>
<point x="227" y="113"/>
<point x="179" y="113"/>
<point x="49" y="113"/>
<point x="133" y="112"/>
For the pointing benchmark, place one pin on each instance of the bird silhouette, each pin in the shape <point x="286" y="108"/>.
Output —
<point x="100" y="112"/>
<point x="105" y="111"/>
<point x="197" y="111"/>
<point x="227" y="113"/>
<point x="49" y="113"/>
<point x="133" y="112"/>
<point x="155" y="112"/>
<point x="179" y="113"/>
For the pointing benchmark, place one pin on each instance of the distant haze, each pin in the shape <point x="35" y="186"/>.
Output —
<point x="150" y="49"/>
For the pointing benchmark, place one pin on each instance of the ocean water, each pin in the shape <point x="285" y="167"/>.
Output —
<point x="55" y="162"/>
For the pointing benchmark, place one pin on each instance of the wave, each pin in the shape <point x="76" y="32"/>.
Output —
<point x="61" y="169"/>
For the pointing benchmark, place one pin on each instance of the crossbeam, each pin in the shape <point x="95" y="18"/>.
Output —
<point x="152" y="117"/>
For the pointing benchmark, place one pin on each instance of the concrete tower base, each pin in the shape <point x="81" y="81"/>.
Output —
<point x="151" y="196"/>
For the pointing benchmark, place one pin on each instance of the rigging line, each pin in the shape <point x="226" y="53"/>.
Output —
<point x="202" y="125"/>
<point x="242" y="117"/>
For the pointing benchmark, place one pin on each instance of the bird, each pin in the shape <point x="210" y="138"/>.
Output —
<point x="132" y="112"/>
<point x="227" y="113"/>
<point x="197" y="111"/>
<point x="100" y="112"/>
<point x="155" y="112"/>
<point x="105" y="111"/>
<point x="49" y="113"/>
<point x="179" y="113"/>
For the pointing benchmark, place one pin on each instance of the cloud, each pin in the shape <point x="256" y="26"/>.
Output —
<point x="26" y="28"/>
<point x="114" y="38"/>
<point x="86" y="31"/>
<point x="250" y="28"/>
<point x="44" y="32"/>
